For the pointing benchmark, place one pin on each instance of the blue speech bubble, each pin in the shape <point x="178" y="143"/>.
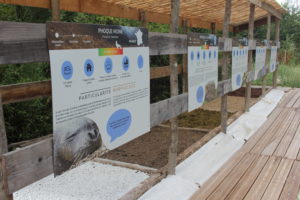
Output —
<point x="125" y="63"/>
<point x="108" y="65"/>
<point x="118" y="124"/>
<point x="89" y="67"/>
<point x="198" y="55"/>
<point x="67" y="70"/>
<point x="140" y="62"/>
<point x="200" y="94"/>
<point x="238" y="80"/>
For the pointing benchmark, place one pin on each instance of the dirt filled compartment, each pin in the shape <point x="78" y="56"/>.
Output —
<point x="152" y="148"/>
<point x="255" y="92"/>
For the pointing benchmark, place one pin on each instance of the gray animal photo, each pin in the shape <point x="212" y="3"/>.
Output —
<point x="73" y="141"/>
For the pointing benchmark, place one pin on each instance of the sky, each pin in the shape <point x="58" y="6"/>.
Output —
<point x="297" y="2"/>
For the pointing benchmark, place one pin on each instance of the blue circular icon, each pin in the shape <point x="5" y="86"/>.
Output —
<point x="140" y="62"/>
<point x="238" y="80"/>
<point x="125" y="63"/>
<point x="192" y="56"/>
<point x="88" y="67"/>
<point x="108" y="65"/>
<point x="209" y="54"/>
<point x="215" y="54"/>
<point x="200" y="94"/>
<point x="204" y="55"/>
<point x="67" y="70"/>
<point x="198" y="55"/>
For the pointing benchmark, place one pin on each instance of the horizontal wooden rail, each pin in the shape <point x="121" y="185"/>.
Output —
<point x="30" y="45"/>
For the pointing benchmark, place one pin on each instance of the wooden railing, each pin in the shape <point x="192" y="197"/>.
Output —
<point x="26" y="43"/>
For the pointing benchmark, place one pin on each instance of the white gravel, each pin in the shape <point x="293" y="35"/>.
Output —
<point x="90" y="181"/>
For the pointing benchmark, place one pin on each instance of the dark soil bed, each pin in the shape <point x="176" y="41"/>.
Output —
<point x="152" y="148"/>
<point x="255" y="92"/>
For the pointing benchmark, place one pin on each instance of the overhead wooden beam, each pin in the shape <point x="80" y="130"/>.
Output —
<point x="270" y="9"/>
<point x="100" y="7"/>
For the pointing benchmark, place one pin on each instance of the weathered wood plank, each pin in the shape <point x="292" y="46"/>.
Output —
<point x="225" y="58"/>
<point x="30" y="44"/>
<point x="250" y="56"/>
<point x="294" y="147"/>
<point x="232" y="179"/>
<point x="266" y="7"/>
<point x="277" y="39"/>
<point x="55" y="4"/>
<point x="258" y="188"/>
<point x="267" y="61"/>
<point x="292" y="184"/>
<point x="245" y="183"/>
<point x="275" y="186"/>
<point x="160" y="72"/>
<point x="26" y="165"/>
<point x="287" y="138"/>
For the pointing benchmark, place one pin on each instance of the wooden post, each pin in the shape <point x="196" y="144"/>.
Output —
<point x="250" y="57"/>
<point x="3" y="149"/>
<point x="213" y="28"/>
<point x="143" y="19"/>
<point x="175" y="6"/>
<point x="55" y="10"/>
<point x="267" y="62"/>
<point x="277" y="39"/>
<point x="224" y="114"/>
<point x="184" y="61"/>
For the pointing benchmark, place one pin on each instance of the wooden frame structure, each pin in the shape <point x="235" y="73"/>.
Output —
<point x="24" y="166"/>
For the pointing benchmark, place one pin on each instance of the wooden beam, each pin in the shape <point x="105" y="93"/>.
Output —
<point x="55" y="4"/>
<point x="185" y="61"/>
<point x="250" y="57"/>
<point x="3" y="149"/>
<point x="259" y="22"/>
<point x="267" y="62"/>
<point x="277" y="39"/>
<point x="225" y="58"/>
<point x="100" y="7"/>
<point x="174" y="23"/>
<point x="270" y="9"/>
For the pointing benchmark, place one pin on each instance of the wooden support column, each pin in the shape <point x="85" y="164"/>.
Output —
<point x="3" y="149"/>
<point x="250" y="57"/>
<point x="277" y="39"/>
<point x="213" y="28"/>
<point x="55" y="10"/>
<point x="225" y="58"/>
<point x="175" y="6"/>
<point x="143" y="19"/>
<point x="184" y="61"/>
<point x="267" y="62"/>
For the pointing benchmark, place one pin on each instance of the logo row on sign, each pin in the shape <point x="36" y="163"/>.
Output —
<point x="88" y="66"/>
<point x="205" y="55"/>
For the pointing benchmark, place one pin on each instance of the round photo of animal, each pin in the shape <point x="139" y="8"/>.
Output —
<point x="73" y="141"/>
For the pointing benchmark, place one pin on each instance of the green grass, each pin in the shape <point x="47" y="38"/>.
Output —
<point x="288" y="76"/>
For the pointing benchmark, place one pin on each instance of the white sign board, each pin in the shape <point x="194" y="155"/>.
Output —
<point x="273" y="58"/>
<point x="100" y="88"/>
<point x="239" y="66"/>
<point x="202" y="69"/>
<point x="260" y="59"/>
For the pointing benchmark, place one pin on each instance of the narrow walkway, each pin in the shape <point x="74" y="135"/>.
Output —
<point x="268" y="166"/>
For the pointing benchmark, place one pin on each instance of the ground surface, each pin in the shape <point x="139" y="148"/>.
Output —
<point x="152" y="148"/>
